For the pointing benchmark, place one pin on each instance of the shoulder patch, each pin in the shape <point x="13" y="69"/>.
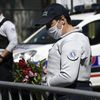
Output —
<point x="72" y="55"/>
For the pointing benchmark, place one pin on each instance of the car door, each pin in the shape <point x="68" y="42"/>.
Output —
<point x="92" y="30"/>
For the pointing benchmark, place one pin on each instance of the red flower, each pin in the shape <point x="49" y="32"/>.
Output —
<point x="22" y="64"/>
<point x="29" y="69"/>
<point x="25" y="72"/>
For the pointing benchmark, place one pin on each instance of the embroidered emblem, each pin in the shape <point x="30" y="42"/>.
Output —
<point x="72" y="56"/>
<point x="45" y="13"/>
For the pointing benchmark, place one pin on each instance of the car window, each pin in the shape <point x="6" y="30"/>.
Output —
<point x="42" y="38"/>
<point x="92" y="30"/>
<point x="76" y="22"/>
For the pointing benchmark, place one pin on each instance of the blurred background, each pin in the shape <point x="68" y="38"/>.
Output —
<point x="24" y="12"/>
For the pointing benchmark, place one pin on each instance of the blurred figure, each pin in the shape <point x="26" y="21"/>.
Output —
<point x="8" y="40"/>
<point x="69" y="58"/>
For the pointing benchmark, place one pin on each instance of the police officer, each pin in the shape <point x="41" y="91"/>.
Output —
<point x="69" y="58"/>
<point x="8" y="40"/>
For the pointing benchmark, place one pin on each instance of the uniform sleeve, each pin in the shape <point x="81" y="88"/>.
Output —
<point x="70" y="61"/>
<point x="10" y="31"/>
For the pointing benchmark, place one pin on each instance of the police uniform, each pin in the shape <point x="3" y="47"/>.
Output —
<point x="68" y="63"/>
<point x="8" y="40"/>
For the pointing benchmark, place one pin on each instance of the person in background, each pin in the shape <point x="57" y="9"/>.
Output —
<point x="8" y="40"/>
<point x="69" y="58"/>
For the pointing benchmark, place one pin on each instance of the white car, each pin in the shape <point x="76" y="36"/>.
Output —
<point x="36" y="47"/>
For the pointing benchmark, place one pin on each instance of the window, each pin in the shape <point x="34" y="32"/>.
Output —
<point x="42" y="38"/>
<point x="76" y="22"/>
<point x="92" y="30"/>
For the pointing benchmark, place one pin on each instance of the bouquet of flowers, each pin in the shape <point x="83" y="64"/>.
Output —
<point x="30" y="72"/>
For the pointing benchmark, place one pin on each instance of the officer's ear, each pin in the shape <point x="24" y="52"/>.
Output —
<point x="62" y="19"/>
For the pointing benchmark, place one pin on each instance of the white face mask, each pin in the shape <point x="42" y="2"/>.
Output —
<point x="55" y="32"/>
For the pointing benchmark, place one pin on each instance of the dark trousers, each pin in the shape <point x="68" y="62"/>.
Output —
<point x="76" y="85"/>
<point x="6" y="69"/>
<point x="6" y="75"/>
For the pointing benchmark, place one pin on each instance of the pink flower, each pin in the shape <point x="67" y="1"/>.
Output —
<point x="45" y="71"/>
<point x="26" y="79"/>
<point x="31" y="74"/>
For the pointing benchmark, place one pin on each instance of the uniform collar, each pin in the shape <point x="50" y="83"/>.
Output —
<point x="1" y="17"/>
<point x="76" y="29"/>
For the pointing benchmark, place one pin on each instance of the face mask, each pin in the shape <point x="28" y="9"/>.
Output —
<point x="55" y="32"/>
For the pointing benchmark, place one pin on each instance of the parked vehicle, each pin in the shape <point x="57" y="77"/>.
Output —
<point x="37" y="46"/>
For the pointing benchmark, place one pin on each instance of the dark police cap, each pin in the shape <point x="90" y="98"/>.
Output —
<point x="50" y="12"/>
